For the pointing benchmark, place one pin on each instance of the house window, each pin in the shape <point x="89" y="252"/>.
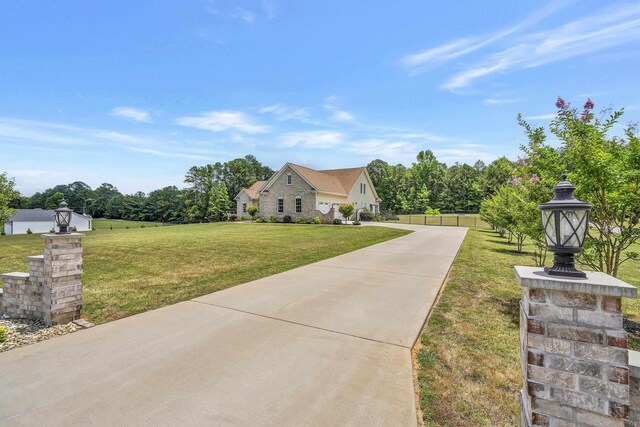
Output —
<point x="280" y="205"/>
<point x="298" y="204"/>
<point x="244" y="208"/>
<point x="288" y="179"/>
<point x="363" y="188"/>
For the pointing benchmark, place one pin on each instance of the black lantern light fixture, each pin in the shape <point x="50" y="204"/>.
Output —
<point x="565" y="221"/>
<point x="63" y="218"/>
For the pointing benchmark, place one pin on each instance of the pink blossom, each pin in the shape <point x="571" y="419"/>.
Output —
<point x="522" y="162"/>
<point x="561" y="104"/>
<point x="516" y="180"/>
<point x="535" y="178"/>
<point x="589" y="104"/>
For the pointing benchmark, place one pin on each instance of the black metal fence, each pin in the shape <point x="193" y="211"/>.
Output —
<point x="452" y="220"/>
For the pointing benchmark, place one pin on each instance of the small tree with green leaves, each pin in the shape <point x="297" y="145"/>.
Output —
<point x="346" y="210"/>
<point x="7" y="195"/>
<point x="252" y="210"/>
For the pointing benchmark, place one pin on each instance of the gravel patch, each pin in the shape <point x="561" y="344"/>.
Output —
<point x="21" y="332"/>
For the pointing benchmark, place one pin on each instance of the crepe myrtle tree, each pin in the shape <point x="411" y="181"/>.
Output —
<point x="606" y="172"/>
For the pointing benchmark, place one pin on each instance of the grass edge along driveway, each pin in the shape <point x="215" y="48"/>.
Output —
<point x="128" y="271"/>
<point x="468" y="362"/>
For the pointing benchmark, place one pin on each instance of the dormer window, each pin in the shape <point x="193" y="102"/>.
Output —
<point x="288" y="179"/>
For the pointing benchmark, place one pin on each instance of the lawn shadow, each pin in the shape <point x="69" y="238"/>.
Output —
<point x="511" y="252"/>
<point x="510" y="307"/>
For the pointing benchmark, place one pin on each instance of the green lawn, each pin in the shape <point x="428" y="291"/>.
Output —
<point x="128" y="271"/>
<point x="468" y="358"/>
<point x="107" y="224"/>
<point x="461" y="220"/>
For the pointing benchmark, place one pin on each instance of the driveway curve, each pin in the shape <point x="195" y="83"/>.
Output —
<point x="324" y="344"/>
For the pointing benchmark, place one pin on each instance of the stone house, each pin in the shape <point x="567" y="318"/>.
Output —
<point x="298" y="191"/>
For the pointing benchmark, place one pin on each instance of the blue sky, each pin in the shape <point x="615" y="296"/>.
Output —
<point x="135" y="93"/>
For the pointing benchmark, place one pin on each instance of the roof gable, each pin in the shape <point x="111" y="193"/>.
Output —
<point x="336" y="181"/>
<point x="347" y="177"/>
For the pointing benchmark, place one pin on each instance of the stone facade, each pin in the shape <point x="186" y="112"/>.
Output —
<point x="574" y="356"/>
<point x="52" y="290"/>
<point x="243" y="199"/>
<point x="634" y="389"/>
<point x="279" y="189"/>
<point x="21" y="298"/>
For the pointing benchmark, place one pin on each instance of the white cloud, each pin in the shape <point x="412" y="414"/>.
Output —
<point x="283" y="112"/>
<point x="220" y="121"/>
<point x="132" y="113"/>
<point x="170" y="154"/>
<point x="498" y="101"/>
<point x="245" y="15"/>
<point x="315" y="139"/>
<point x="541" y="117"/>
<point x="343" y="116"/>
<point x="419" y="62"/>
<point x="602" y="30"/>
<point x="388" y="150"/>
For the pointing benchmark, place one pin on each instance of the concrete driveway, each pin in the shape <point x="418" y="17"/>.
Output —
<point x="325" y="344"/>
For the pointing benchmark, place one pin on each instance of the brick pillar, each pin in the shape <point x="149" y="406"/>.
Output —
<point x="62" y="285"/>
<point x="573" y="348"/>
<point x="21" y="299"/>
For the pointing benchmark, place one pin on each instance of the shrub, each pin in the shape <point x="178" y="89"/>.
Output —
<point x="301" y="220"/>
<point x="315" y="220"/>
<point x="111" y="227"/>
<point x="365" y="215"/>
<point x="2" y="233"/>
<point x="93" y="229"/>
<point x="431" y="211"/>
<point x="127" y="227"/>
<point x="272" y="219"/>
<point x="337" y="221"/>
<point x="143" y="226"/>
<point x="260" y="219"/>
<point x="380" y="218"/>
<point x="252" y="210"/>
<point x="52" y="231"/>
<point x="3" y="334"/>
<point x="232" y="217"/>
<point x="287" y="219"/>
<point x="356" y="222"/>
<point x="254" y="218"/>
<point x="29" y="231"/>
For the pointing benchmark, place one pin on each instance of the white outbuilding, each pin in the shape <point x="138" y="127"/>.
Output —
<point x="42" y="221"/>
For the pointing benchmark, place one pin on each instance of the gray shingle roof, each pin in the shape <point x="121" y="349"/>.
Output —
<point x="32" y="215"/>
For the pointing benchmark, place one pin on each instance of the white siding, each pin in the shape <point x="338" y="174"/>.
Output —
<point x="363" y="200"/>
<point x="21" y="227"/>
<point x="81" y="223"/>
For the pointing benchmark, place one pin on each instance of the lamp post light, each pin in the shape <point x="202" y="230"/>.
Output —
<point x="63" y="218"/>
<point x="565" y="221"/>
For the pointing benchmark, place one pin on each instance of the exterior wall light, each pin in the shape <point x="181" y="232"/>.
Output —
<point x="63" y="218"/>
<point x="565" y="221"/>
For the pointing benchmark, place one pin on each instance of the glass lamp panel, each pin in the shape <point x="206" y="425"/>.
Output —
<point x="582" y="227"/>
<point x="569" y="224"/>
<point x="65" y="218"/>
<point x="549" y="227"/>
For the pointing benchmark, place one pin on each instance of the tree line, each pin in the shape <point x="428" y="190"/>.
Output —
<point x="208" y="197"/>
